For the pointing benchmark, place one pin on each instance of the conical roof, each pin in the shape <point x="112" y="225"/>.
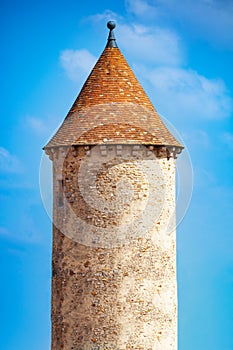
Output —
<point x="112" y="107"/>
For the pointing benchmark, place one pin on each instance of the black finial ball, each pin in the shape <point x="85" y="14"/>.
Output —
<point x="111" y="25"/>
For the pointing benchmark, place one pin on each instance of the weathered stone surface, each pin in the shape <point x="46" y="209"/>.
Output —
<point x="114" y="253"/>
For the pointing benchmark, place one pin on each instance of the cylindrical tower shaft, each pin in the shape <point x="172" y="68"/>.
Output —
<point x="114" y="259"/>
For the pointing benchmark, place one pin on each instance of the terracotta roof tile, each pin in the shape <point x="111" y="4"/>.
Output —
<point x="112" y="107"/>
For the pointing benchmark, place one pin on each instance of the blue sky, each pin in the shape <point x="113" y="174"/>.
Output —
<point x="182" y="53"/>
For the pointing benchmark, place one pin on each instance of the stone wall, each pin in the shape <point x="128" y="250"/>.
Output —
<point x="114" y="253"/>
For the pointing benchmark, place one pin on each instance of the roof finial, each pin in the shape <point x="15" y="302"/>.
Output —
<point x="111" y="38"/>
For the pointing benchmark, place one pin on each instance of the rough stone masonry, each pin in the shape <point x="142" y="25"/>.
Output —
<point x="114" y="238"/>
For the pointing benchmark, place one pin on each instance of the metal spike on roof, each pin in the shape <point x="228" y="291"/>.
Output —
<point x="111" y="37"/>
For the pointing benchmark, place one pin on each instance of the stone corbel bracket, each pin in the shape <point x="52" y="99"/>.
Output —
<point x="173" y="152"/>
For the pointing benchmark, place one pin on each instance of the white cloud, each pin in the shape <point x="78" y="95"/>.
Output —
<point x="209" y="19"/>
<point x="77" y="63"/>
<point x="8" y="162"/>
<point x="151" y="44"/>
<point x="187" y="93"/>
<point x="141" y="8"/>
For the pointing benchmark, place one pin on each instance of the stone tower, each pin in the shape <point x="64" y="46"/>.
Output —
<point x="114" y="244"/>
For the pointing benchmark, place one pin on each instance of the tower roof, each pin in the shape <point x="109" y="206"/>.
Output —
<point x="112" y="107"/>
